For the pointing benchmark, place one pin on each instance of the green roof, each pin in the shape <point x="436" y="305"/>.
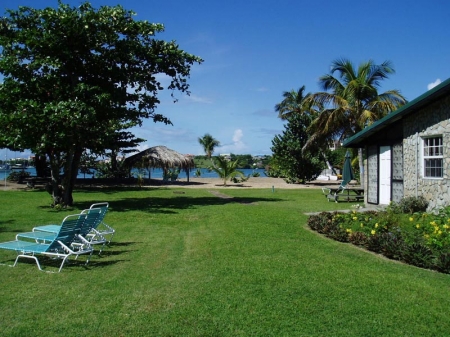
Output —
<point x="359" y="139"/>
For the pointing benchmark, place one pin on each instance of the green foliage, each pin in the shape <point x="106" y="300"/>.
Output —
<point x="226" y="169"/>
<point x="87" y="163"/>
<point x="18" y="175"/>
<point x="289" y="160"/>
<point x="111" y="169"/>
<point x="242" y="179"/>
<point x="171" y="174"/>
<point x="420" y="239"/>
<point x="350" y="102"/>
<point x="209" y="143"/>
<point x="337" y="157"/>
<point x="410" y="205"/>
<point x="140" y="178"/>
<point x="351" y="99"/>
<point x="198" y="173"/>
<point x="245" y="160"/>
<point x="294" y="102"/>
<point x="76" y="77"/>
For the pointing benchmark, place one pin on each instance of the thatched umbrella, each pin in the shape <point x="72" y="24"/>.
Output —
<point x="161" y="157"/>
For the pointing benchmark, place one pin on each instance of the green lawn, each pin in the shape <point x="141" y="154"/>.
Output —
<point x="187" y="263"/>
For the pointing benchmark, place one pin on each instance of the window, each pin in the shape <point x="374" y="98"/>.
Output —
<point x="433" y="157"/>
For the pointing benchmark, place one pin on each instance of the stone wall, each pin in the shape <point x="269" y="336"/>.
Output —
<point x="434" y="120"/>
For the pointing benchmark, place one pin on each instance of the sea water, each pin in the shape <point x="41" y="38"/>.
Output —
<point x="155" y="173"/>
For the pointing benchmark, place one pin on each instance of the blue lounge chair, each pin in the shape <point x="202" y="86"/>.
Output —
<point x="93" y="217"/>
<point x="59" y="247"/>
<point x="100" y="230"/>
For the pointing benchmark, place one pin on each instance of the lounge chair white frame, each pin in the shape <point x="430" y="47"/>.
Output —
<point x="60" y="247"/>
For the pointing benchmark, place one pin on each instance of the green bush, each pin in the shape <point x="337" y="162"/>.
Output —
<point x="420" y="239"/>
<point x="358" y="238"/>
<point x="317" y="222"/>
<point x="392" y="244"/>
<point x="443" y="263"/>
<point x="410" y="205"/>
<point x="18" y="176"/>
<point x="418" y="254"/>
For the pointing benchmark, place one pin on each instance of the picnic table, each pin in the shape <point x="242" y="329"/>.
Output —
<point x="349" y="193"/>
<point x="33" y="181"/>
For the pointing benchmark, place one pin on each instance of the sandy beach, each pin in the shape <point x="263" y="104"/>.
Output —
<point x="253" y="182"/>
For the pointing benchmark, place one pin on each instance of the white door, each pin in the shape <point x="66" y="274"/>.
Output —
<point x="385" y="175"/>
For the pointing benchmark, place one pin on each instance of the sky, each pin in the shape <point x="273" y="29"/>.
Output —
<point x="253" y="51"/>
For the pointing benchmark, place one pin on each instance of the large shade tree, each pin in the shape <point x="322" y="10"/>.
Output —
<point x="79" y="78"/>
<point x="351" y="101"/>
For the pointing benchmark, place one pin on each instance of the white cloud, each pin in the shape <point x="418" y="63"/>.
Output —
<point x="237" y="146"/>
<point x="433" y="84"/>
<point x="142" y="147"/>
<point x="237" y="136"/>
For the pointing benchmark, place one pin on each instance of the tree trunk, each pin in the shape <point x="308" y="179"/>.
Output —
<point x="70" y="175"/>
<point x="54" y="188"/>
<point x="40" y="163"/>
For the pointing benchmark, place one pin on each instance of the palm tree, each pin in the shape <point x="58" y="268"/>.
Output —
<point x="208" y="143"/>
<point x="296" y="102"/>
<point x="293" y="102"/>
<point x="351" y="101"/>
<point x="226" y="169"/>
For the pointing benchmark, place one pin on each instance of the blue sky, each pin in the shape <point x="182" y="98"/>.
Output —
<point x="254" y="51"/>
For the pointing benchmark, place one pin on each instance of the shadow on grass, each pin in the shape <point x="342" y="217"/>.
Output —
<point x="170" y="205"/>
<point x="6" y="226"/>
<point x="102" y="264"/>
<point x="108" y="253"/>
<point x="116" y="189"/>
<point x="121" y="244"/>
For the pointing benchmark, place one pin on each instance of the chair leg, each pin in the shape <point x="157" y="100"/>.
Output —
<point x="62" y="264"/>
<point x="28" y="257"/>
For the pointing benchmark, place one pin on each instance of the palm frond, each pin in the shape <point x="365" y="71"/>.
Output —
<point x="293" y="102"/>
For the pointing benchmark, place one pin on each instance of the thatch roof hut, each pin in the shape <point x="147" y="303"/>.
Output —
<point x="160" y="157"/>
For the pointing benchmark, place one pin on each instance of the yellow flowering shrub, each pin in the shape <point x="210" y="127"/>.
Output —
<point x="421" y="239"/>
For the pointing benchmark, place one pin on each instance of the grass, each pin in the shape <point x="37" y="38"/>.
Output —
<point x="187" y="263"/>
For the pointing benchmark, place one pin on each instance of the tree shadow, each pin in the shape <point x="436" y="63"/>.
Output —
<point x="7" y="226"/>
<point x="107" y="253"/>
<point x="121" y="244"/>
<point x="171" y="205"/>
<point x="102" y="264"/>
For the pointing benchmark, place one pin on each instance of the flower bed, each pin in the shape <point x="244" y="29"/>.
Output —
<point x="420" y="239"/>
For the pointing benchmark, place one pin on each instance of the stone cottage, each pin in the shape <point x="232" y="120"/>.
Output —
<point x="408" y="151"/>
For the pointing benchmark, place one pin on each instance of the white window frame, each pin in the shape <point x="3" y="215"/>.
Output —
<point x="433" y="157"/>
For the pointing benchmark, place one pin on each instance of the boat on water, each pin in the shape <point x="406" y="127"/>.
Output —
<point x="18" y="167"/>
